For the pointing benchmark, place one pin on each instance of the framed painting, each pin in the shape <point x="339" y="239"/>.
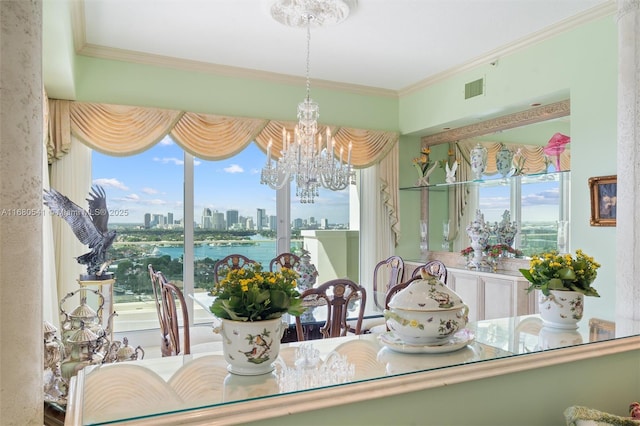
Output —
<point x="603" y="191"/>
<point x="600" y="329"/>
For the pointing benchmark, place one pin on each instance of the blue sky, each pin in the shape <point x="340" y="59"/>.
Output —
<point x="540" y="202"/>
<point x="152" y="182"/>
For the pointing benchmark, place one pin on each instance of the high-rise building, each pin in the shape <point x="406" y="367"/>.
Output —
<point x="169" y="218"/>
<point x="273" y="223"/>
<point x="157" y="220"/>
<point x="262" y="221"/>
<point x="324" y="223"/>
<point x="297" y="223"/>
<point x="232" y="218"/>
<point x="147" y="220"/>
<point x="205" y="221"/>
<point x="217" y="221"/>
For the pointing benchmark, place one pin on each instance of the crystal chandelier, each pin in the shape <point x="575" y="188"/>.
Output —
<point x="305" y="156"/>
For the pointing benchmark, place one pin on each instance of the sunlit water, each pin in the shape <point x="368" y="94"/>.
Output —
<point x="260" y="250"/>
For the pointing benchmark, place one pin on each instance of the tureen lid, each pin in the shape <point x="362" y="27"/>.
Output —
<point x="426" y="294"/>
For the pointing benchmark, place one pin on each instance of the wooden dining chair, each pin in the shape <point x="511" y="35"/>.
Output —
<point x="434" y="267"/>
<point x="389" y="271"/>
<point x="337" y="296"/>
<point x="229" y="263"/>
<point x="170" y="306"/>
<point x="284" y="260"/>
<point x="166" y="295"/>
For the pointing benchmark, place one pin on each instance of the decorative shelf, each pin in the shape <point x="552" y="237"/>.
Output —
<point x="493" y="181"/>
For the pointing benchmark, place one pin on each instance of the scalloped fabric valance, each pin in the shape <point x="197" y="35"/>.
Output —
<point x="126" y="130"/>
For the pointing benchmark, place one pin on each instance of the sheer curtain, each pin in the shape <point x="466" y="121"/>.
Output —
<point x="380" y="226"/>
<point x="71" y="176"/>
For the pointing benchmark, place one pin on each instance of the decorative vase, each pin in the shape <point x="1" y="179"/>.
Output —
<point x="563" y="236"/>
<point x="307" y="271"/>
<point x="251" y="348"/>
<point x="561" y="309"/>
<point x="424" y="237"/>
<point x="478" y="161"/>
<point x="506" y="230"/>
<point x="504" y="161"/>
<point x="478" y="233"/>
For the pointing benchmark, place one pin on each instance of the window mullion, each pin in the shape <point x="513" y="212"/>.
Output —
<point x="188" y="214"/>
<point x="283" y="214"/>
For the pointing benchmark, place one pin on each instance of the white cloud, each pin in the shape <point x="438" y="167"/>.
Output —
<point x="157" y="202"/>
<point x="234" y="168"/>
<point x="149" y="191"/>
<point x="166" y="141"/>
<point x="111" y="183"/>
<point x="132" y="197"/>
<point x="168" y="160"/>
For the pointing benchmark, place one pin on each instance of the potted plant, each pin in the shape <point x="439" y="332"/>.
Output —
<point x="563" y="281"/>
<point x="250" y="303"/>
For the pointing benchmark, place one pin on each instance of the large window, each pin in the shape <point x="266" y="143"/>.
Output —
<point x="169" y="198"/>
<point x="536" y="203"/>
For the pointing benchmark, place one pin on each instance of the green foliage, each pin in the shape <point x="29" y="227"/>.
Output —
<point x="250" y="294"/>
<point x="553" y="271"/>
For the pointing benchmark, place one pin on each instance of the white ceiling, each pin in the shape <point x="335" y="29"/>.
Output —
<point x="383" y="44"/>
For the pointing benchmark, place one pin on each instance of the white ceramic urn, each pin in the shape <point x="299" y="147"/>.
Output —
<point x="426" y="312"/>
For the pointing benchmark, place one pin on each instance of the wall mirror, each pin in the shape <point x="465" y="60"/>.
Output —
<point x="537" y="195"/>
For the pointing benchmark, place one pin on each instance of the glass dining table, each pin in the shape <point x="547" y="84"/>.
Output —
<point x="198" y="386"/>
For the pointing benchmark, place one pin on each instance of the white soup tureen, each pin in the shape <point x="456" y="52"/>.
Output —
<point x="426" y="312"/>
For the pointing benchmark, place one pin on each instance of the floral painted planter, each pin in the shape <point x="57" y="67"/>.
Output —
<point x="251" y="348"/>
<point x="561" y="309"/>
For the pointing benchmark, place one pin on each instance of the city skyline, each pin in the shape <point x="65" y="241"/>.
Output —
<point x="152" y="220"/>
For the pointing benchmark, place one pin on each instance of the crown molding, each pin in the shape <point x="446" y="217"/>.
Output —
<point x="517" y="119"/>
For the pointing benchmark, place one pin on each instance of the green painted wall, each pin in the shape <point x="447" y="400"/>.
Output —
<point x="562" y="67"/>
<point x="531" y="398"/>
<point x="108" y="81"/>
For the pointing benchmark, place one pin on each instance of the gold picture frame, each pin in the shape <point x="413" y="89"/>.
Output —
<point x="603" y="191"/>
<point x="600" y="329"/>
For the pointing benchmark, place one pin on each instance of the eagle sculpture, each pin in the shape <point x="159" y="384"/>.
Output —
<point x="89" y="227"/>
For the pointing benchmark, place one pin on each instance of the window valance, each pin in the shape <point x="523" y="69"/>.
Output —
<point x="127" y="130"/>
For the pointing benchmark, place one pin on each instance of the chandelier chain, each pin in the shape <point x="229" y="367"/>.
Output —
<point x="309" y="18"/>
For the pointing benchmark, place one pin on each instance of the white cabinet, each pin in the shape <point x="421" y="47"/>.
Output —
<point x="492" y="295"/>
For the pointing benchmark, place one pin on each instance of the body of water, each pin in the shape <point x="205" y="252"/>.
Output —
<point x="261" y="251"/>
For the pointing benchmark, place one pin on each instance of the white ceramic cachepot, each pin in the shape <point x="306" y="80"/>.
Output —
<point x="426" y="312"/>
<point x="561" y="309"/>
<point x="251" y="348"/>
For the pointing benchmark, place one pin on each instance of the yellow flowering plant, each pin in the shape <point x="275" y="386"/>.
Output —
<point x="250" y="294"/>
<point x="553" y="271"/>
<point x="422" y="163"/>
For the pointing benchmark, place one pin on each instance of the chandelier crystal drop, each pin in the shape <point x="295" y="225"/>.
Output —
<point x="307" y="158"/>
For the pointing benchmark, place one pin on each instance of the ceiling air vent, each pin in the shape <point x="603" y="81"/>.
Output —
<point x="475" y="88"/>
